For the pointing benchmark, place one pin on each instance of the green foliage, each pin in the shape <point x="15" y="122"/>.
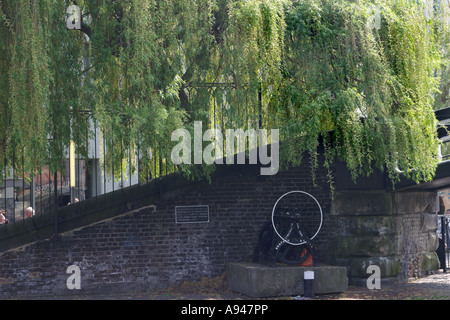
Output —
<point x="139" y="69"/>
<point x="367" y="92"/>
<point x="40" y="80"/>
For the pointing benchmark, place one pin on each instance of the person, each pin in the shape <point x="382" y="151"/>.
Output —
<point x="447" y="227"/>
<point x="75" y="201"/>
<point x="441" y="205"/>
<point x="3" y="219"/>
<point x="29" y="212"/>
<point x="443" y="238"/>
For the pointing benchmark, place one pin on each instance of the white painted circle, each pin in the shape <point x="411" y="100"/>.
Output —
<point x="320" y="210"/>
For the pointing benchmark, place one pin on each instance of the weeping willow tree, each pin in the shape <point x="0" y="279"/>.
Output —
<point x="39" y="84"/>
<point x="365" y="86"/>
<point x="442" y="99"/>
<point x="317" y="70"/>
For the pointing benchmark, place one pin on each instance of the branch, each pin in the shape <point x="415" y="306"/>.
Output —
<point x="88" y="68"/>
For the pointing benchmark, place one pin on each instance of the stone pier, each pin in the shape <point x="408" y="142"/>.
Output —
<point x="393" y="230"/>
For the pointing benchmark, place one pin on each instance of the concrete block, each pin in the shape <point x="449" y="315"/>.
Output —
<point x="366" y="246"/>
<point x="430" y="222"/>
<point x="362" y="203"/>
<point x="389" y="266"/>
<point x="430" y="261"/>
<point x="431" y="241"/>
<point x="369" y="225"/>
<point x="416" y="202"/>
<point x="257" y="280"/>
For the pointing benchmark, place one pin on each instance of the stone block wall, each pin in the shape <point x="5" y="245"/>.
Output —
<point x="395" y="231"/>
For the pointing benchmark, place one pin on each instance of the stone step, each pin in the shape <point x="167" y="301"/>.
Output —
<point x="259" y="280"/>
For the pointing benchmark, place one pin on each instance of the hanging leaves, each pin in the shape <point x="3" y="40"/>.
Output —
<point x="367" y="91"/>
<point x="39" y="62"/>
<point x="362" y="77"/>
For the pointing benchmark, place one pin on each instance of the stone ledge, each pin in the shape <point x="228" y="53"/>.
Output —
<point x="430" y="261"/>
<point x="360" y="203"/>
<point x="258" y="281"/>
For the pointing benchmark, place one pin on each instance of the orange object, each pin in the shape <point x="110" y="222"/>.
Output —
<point x="309" y="261"/>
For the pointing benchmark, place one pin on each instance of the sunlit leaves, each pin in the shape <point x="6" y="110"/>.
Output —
<point x="371" y="88"/>
<point x="361" y="76"/>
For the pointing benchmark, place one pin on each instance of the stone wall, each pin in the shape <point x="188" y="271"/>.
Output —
<point x="395" y="231"/>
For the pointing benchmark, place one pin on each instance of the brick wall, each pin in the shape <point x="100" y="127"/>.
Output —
<point x="135" y="244"/>
<point x="144" y="248"/>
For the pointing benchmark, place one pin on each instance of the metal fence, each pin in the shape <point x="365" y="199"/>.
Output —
<point x="443" y="250"/>
<point x="82" y="176"/>
<point x="444" y="150"/>
<point x="92" y="172"/>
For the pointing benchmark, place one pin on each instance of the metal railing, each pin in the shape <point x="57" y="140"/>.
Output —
<point x="90" y="171"/>
<point x="81" y="177"/>
<point x="444" y="149"/>
<point x="443" y="250"/>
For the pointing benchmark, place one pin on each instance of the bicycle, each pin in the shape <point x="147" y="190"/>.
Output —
<point x="287" y="238"/>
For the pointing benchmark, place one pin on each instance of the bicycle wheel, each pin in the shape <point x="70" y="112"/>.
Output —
<point x="297" y="217"/>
